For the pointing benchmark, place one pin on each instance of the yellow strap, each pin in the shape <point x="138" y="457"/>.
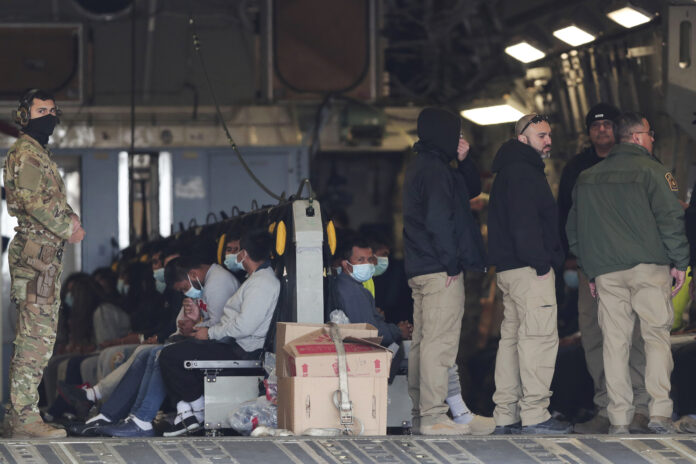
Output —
<point x="221" y="249"/>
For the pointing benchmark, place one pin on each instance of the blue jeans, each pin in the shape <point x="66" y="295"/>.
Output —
<point x="140" y="392"/>
<point x="152" y="391"/>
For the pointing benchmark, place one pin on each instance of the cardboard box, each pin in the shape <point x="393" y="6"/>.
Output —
<point x="314" y="355"/>
<point x="289" y="331"/>
<point x="307" y="402"/>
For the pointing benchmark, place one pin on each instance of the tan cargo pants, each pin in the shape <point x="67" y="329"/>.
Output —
<point x="592" y="345"/>
<point x="528" y="346"/>
<point x="643" y="291"/>
<point x="437" y="320"/>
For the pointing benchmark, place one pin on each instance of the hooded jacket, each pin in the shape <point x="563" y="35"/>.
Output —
<point x="440" y="233"/>
<point x="522" y="215"/>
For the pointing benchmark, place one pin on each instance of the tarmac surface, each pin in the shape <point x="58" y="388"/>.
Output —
<point x="384" y="450"/>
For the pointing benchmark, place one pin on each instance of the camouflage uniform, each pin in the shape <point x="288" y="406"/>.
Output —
<point x="36" y="197"/>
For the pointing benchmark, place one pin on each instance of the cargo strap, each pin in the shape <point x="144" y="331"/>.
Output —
<point x="345" y="406"/>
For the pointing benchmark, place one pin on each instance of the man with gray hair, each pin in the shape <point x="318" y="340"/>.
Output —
<point x="626" y="227"/>
<point x="525" y="247"/>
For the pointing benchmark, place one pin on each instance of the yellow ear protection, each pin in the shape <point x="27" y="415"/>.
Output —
<point x="22" y="115"/>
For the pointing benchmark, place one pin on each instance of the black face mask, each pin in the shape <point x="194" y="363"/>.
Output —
<point x="41" y="128"/>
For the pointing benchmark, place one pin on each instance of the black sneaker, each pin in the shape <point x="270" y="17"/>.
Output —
<point x="510" y="429"/>
<point x="93" y="429"/>
<point x="187" y="425"/>
<point x="548" y="427"/>
<point x="75" y="397"/>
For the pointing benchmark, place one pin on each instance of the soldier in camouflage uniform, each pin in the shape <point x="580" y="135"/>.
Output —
<point x="36" y="197"/>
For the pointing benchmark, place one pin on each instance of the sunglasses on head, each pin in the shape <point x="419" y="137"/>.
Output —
<point x="535" y="120"/>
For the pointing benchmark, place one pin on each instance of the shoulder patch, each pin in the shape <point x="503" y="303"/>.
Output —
<point x="673" y="186"/>
<point x="29" y="177"/>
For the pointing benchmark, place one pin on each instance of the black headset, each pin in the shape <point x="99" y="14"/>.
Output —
<point x="23" y="115"/>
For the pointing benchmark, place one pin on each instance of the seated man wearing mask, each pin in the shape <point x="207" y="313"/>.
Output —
<point x="239" y="334"/>
<point x="358" y="266"/>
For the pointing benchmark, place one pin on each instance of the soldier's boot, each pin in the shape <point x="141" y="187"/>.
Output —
<point x="37" y="429"/>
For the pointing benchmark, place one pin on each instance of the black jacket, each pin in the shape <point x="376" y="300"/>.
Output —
<point x="522" y="215"/>
<point x="440" y="234"/>
<point x="583" y="160"/>
<point x="690" y="219"/>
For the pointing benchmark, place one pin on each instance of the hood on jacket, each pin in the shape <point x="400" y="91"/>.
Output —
<point x="513" y="151"/>
<point x="439" y="130"/>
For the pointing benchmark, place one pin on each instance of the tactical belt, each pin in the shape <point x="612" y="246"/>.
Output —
<point x="345" y="406"/>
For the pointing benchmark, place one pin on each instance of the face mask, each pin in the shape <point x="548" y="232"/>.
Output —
<point x="69" y="300"/>
<point x="363" y="272"/>
<point x="338" y="270"/>
<point x="160" y="286"/>
<point x="121" y="287"/>
<point x="159" y="275"/>
<point x="570" y="276"/>
<point x="232" y="264"/>
<point x="41" y="128"/>
<point x="382" y="265"/>
<point x="194" y="292"/>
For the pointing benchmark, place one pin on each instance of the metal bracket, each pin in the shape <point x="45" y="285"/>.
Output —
<point x="211" y="375"/>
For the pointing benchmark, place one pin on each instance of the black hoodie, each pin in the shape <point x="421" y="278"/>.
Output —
<point x="522" y="214"/>
<point x="440" y="233"/>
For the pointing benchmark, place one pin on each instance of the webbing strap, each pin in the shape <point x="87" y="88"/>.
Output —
<point x="345" y="406"/>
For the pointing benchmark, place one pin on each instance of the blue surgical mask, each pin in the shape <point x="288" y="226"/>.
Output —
<point x="382" y="265"/>
<point x="570" y="276"/>
<point x="69" y="299"/>
<point x="194" y="292"/>
<point x="159" y="275"/>
<point x="121" y="286"/>
<point x="160" y="286"/>
<point x="338" y="270"/>
<point x="232" y="264"/>
<point x="363" y="272"/>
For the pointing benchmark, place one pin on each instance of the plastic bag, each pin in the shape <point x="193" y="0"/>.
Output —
<point x="271" y="382"/>
<point x="338" y="317"/>
<point x="263" y="431"/>
<point x="251" y="414"/>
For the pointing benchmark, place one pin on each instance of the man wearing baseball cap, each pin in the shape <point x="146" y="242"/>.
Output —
<point x="600" y="128"/>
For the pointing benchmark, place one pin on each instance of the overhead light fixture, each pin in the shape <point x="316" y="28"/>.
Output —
<point x="629" y="16"/>
<point x="573" y="35"/>
<point x="493" y="114"/>
<point x="524" y="52"/>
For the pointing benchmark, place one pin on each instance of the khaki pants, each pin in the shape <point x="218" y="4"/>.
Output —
<point x="528" y="346"/>
<point x="642" y="291"/>
<point x="592" y="345"/>
<point x="437" y="319"/>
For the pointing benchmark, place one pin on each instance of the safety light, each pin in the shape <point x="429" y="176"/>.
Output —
<point x="573" y="35"/>
<point x="524" y="52"/>
<point x="629" y="17"/>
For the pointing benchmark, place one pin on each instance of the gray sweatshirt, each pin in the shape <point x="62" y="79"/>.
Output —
<point x="358" y="304"/>
<point x="218" y="286"/>
<point x="247" y="315"/>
